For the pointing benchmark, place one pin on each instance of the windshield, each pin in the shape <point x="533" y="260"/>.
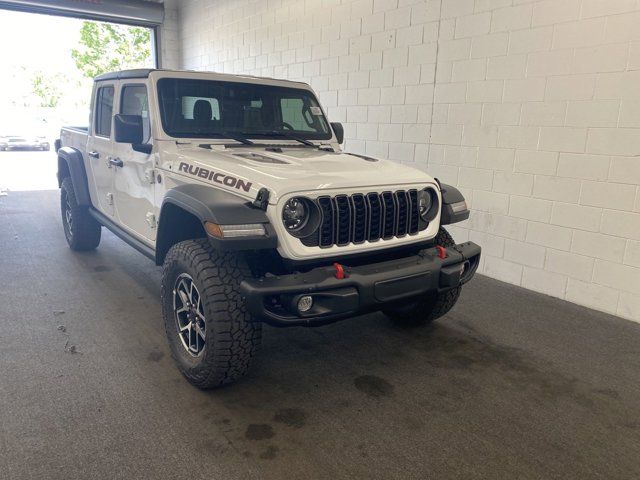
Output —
<point x="214" y="109"/>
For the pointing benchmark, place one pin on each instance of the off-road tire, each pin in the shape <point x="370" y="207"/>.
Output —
<point x="432" y="305"/>
<point x="232" y="336"/>
<point x="83" y="232"/>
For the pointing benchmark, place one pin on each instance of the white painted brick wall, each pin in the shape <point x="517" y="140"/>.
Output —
<point x="169" y="43"/>
<point x="530" y="107"/>
<point x="561" y="213"/>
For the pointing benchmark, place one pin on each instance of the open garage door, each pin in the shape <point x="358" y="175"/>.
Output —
<point x="133" y="12"/>
<point x="47" y="84"/>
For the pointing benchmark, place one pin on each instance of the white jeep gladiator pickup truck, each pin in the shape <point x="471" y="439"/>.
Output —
<point x="238" y="188"/>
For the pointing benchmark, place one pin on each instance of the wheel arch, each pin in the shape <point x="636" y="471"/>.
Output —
<point x="71" y="164"/>
<point x="175" y="225"/>
<point x="186" y="208"/>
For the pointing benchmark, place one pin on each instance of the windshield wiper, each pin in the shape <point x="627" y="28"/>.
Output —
<point x="237" y="138"/>
<point x="278" y="133"/>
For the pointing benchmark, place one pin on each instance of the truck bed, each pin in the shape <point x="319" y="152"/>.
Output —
<point x="75" y="137"/>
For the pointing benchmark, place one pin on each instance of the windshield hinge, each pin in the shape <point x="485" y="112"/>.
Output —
<point x="262" y="199"/>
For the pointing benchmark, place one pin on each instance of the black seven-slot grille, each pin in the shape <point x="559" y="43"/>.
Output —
<point x="357" y="218"/>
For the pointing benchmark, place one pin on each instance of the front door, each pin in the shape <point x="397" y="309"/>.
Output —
<point x="99" y="150"/>
<point x="134" y="180"/>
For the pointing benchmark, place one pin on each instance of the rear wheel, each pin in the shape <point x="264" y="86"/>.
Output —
<point x="81" y="230"/>
<point x="430" y="306"/>
<point x="212" y="336"/>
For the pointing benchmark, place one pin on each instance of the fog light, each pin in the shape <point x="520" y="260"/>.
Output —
<point x="305" y="303"/>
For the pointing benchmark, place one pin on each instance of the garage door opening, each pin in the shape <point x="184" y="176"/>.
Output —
<point x="48" y="64"/>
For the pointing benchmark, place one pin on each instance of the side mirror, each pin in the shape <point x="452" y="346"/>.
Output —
<point x="128" y="129"/>
<point x="338" y="129"/>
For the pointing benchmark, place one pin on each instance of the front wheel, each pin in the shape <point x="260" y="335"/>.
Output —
<point x="212" y="336"/>
<point x="430" y="306"/>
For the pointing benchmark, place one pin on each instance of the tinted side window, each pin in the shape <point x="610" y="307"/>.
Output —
<point x="135" y="102"/>
<point x="104" y="111"/>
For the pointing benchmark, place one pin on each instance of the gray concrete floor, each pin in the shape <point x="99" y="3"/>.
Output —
<point x="511" y="384"/>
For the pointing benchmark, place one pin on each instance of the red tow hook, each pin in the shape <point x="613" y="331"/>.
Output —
<point x="442" y="252"/>
<point x="340" y="273"/>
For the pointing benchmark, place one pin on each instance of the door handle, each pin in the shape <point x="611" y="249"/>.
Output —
<point x="116" y="162"/>
<point x="94" y="154"/>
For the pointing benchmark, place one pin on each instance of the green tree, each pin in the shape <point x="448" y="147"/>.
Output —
<point x="47" y="88"/>
<point x="105" y="47"/>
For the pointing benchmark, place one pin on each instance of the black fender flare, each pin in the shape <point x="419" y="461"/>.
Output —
<point x="454" y="206"/>
<point x="209" y="204"/>
<point x="71" y="159"/>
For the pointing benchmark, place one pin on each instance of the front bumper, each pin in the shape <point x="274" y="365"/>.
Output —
<point x="274" y="299"/>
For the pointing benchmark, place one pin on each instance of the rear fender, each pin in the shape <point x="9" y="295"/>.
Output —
<point x="71" y="164"/>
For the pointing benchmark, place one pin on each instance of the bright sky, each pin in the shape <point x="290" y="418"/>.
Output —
<point x="32" y="44"/>
<point x="27" y="38"/>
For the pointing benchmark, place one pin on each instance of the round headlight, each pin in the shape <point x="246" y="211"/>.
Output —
<point x="295" y="214"/>
<point x="424" y="203"/>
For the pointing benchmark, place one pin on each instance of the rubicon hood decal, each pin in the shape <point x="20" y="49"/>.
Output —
<point x="216" y="177"/>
